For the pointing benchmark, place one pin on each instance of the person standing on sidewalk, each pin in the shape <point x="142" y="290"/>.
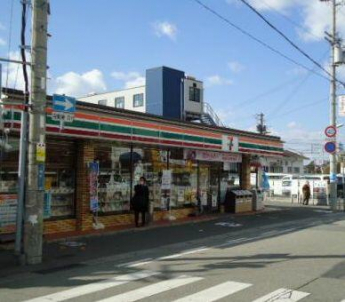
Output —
<point x="140" y="201"/>
<point x="306" y="193"/>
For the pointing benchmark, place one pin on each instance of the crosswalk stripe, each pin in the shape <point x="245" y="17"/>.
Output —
<point x="283" y="294"/>
<point x="93" y="287"/>
<point x="152" y="290"/>
<point x="215" y="293"/>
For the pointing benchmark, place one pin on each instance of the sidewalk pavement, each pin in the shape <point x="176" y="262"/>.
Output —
<point x="72" y="251"/>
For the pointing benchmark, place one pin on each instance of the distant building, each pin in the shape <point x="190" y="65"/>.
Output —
<point x="291" y="163"/>
<point x="168" y="92"/>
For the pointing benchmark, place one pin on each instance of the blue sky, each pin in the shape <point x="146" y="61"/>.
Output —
<point x="106" y="44"/>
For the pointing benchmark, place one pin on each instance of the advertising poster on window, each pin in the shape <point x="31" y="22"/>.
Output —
<point x="203" y="197"/>
<point x="8" y="213"/>
<point x="93" y="176"/>
<point x="166" y="180"/>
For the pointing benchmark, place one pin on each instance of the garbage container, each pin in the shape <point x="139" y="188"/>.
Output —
<point x="258" y="199"/>
<point x="238" y="201"/>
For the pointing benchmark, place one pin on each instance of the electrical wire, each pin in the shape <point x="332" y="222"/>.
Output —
<point x="293" y="22"/>
<point x="266" y="93"/>
<point x="300" y="107"/>
<point x="22" y="50"/>
<point x="9" y="41"/>
<point x="246" y="33"/>
<point x="285" y="37"/>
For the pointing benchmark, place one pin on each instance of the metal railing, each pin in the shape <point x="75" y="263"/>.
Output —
<point x="208" y="110"/>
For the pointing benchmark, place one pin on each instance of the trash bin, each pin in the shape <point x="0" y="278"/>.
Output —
<point x="258" y="199"/>
<point x="238" y="201"/>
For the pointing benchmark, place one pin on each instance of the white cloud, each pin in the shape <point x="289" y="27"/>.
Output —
<point x="165" y="28"/>
<point x="316" y="15"/>
<point x="75" y="84"/>
<point x="280" y="5"/>
<point x="2" y="42"/>
<point x="236" y="67"/>
<point x="12" y="74"/>
<point x="130" y="79"/>
<point x="292" y="125"/>
<point x="217" y="80"/>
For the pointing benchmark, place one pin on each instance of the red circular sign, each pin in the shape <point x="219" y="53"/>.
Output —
<point x="331" y="131"/>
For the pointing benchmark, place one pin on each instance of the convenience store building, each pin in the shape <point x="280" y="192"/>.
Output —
<point x="125" y="145"/>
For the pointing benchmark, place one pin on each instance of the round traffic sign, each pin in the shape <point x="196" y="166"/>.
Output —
<point x="330" y="147"/>
<point x="331" y="131"/>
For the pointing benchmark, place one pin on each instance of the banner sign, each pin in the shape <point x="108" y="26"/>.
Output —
<point x="93" y="176"/>
<point x="212" y="156"/>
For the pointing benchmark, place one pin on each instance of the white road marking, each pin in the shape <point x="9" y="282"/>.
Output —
<point x="228" y="224"/>
<point x="152" y="289"/>
<point x="283" y="294"/>
<point x="234" y="241"/>
<point x="198" y="250"/>
<point x="93" y="287"/>
<point x="215" y="293"/>
<point x="135" y="263"/>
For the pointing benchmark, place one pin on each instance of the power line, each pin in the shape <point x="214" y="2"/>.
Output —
<point x="285" y="37"/>
<point x="246" y="33"/>
<point x="293" y="22"/>
<point x="9" y="41"/>
<point x="300" y="107"/>
<point x="268" y="92"/>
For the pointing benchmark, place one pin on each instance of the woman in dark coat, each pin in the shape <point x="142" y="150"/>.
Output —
<point x="140" y="201"/>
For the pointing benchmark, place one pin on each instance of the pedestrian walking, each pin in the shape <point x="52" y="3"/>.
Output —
<point x="140" y="201"/>
<point x="306" y="193"/>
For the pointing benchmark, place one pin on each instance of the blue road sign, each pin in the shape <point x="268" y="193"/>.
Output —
<point x="330" y="147"/>
<point x="62" y="103"/>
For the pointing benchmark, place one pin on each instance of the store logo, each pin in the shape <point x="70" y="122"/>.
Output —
<point x="230" y="143"/>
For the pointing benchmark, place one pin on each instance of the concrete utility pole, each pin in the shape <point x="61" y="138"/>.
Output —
<point x="261" y="127"/>
<point x="33" y="228"/>
<point x="333" y="109"/>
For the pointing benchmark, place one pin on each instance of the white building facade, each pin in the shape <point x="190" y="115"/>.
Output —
<point x="290" y="163"/>
<point x="129" y="99"/>
<point x="168" y="92"/>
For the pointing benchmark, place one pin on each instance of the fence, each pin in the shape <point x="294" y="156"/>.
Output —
<point x="291" y="192"/>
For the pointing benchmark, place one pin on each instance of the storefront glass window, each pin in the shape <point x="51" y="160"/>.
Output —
<point x="114" y="178"/>
<point x="184" y="180"/>
<point x="8" y="184"/>
<point x="60" y="179"/>
<point x="150" y="163"/>
<point x="229" y="179"/>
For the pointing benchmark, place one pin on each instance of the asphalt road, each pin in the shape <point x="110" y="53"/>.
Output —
<point x="293" y="253"/>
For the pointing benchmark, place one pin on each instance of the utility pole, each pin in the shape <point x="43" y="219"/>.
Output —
<point x="33" y="226"/>
<point x="333" y="109"/>
<point x="261" y="127"/>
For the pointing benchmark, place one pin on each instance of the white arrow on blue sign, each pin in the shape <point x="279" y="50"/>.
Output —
<point x="62" y="103"/>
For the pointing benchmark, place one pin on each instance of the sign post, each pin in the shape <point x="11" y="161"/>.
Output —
<point x="64" y="108"/>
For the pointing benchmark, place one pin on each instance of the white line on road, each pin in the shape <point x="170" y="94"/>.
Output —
<point x="215" y="293"/>
<point x="152" y="289"/>
<point x="135" y="263"/>
<point x="198" y="250"/>
<point x="283" y="294"/>
<point x="93" y="287"/>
